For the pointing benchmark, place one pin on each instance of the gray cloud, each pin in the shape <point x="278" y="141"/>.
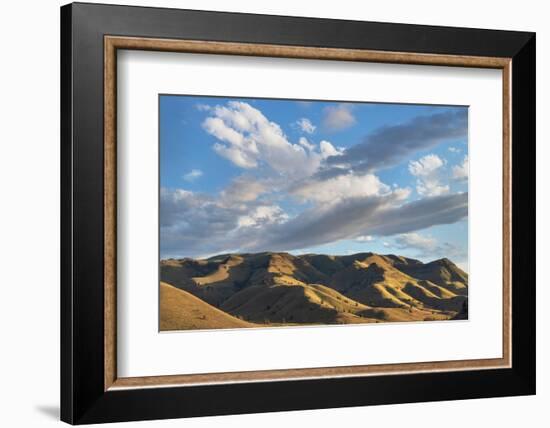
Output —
<point x="390" y="145"/>
<point x="421" y="214"/>
<point x="204" y="227"/>
<point x="364" y="216"/>
<point x="194" y="224"/>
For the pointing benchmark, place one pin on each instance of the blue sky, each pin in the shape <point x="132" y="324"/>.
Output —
<point x="248" y="175"/>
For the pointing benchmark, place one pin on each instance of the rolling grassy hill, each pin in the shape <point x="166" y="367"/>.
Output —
<point x="280" y="289"/>
<point x="180" y="310"/>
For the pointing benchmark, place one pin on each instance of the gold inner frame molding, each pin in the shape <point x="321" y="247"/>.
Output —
<point x="113" y="43"/>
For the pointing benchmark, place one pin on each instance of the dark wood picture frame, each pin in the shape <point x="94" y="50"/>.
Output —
<point x="90" y="389"/>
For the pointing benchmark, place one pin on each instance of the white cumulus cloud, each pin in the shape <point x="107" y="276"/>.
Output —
<point x="427" y="170"/>
<point x="248" y="139"/>
<point x="262" y="216"/>
<point x="425" y="166"/>
<point x="304" y="142"/>
<point x="340" y="187"/>
<point x="460" y="172"/>
<point x="327" y="149"/>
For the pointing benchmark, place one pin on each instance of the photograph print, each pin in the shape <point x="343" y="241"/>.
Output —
<point x="285" y="213"/>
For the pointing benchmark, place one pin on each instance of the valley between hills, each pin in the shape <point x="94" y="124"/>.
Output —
<point x="280" y="289"/>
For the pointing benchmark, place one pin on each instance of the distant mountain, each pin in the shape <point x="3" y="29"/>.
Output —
<point x="282" y="289"/>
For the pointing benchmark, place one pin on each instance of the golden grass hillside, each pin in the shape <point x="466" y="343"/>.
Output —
<point x="180" y="310"/>
<point x="281" y="289"/>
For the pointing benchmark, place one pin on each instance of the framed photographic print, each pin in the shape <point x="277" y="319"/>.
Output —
<point x="297" y="213"/>
<point x="272" y="213"/>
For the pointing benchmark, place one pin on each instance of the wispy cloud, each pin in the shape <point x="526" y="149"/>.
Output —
<point x="305" y="125"/>
<point x="427" y="247"/>
<point x="202" y="107"/>
<point x="416" y="241"/>
<point x="339" y="117"/>
<point x="243" y="189"/>
<point x="193" y="175"/>
<point x="365" y="238"/>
